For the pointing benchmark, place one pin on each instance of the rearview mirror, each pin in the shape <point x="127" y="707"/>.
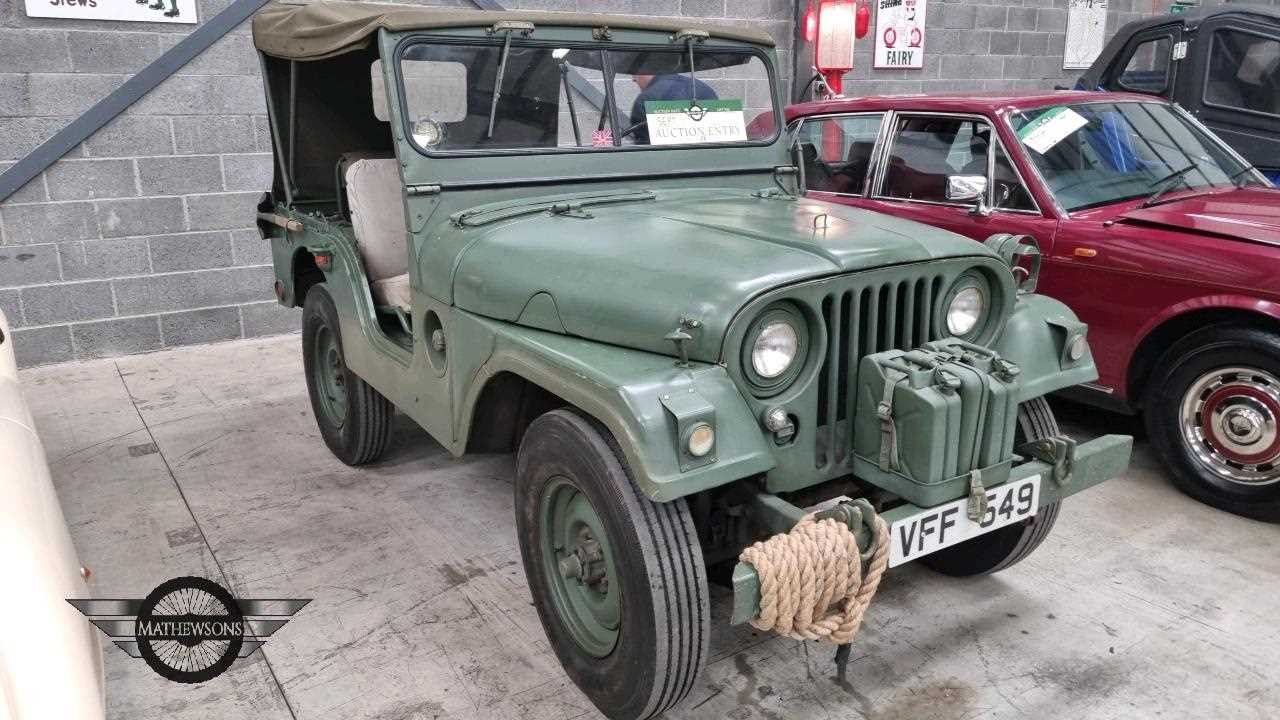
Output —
<point x="966" y="188"/>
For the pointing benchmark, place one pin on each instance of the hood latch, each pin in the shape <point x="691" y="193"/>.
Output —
<point x="680" y="336"/>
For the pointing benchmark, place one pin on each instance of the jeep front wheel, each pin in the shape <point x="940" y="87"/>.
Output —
<point x="354" y="419"/>
<point x="618" y="580"/>
<point x="1213" y="414"/>
<point x="1001" y="548"/>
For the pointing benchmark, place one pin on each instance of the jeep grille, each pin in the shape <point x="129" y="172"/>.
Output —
<point x="860" y="321"/>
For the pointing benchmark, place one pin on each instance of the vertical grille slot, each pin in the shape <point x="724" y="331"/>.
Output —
<point x="859" y="322"/>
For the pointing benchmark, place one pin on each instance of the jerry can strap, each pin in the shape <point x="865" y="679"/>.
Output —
<point x="888" y="429"/>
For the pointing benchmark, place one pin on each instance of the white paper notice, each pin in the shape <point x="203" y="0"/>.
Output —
<point x="1086" y="31"/>
<point x="682" y="122"/>
<point x="899" y="34"/>
<point x="1049" y="129"/>
<point x="157" y="11"/>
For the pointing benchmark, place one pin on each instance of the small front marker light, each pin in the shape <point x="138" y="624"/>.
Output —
<point x="776" y="420"/>
<point x="701" y="439"/>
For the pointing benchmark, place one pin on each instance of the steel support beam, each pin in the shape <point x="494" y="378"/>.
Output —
<point x="127" y="94"/>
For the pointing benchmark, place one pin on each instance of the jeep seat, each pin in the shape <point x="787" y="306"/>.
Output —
<point x="377" y="216"/>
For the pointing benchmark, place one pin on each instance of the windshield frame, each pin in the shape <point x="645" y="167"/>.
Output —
<point x="1007" y="114"/>
<point x="724" y="46"/>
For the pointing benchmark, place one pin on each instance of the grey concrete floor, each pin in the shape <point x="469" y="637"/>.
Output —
<point x="206" y="461"/>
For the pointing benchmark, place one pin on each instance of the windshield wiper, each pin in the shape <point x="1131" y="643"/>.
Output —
<point x="1166" y="183"/>
<point x="506" y="27"/>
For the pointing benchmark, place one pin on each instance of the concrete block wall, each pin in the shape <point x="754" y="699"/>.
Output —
<point x="143" y="238"/>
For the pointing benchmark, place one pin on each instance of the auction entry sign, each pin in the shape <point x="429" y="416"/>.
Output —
<point x="168" y="11"/>
<point x="899" y="34"/>
<point x="692" y="122"/>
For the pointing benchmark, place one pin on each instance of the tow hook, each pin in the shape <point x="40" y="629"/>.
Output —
<point x="1058" y="451"/>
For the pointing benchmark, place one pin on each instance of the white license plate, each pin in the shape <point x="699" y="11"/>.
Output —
<point x="946" y="525"/>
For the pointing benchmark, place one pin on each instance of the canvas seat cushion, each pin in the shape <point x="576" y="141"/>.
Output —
<point x="392" y="292"/>
<point x="375" y="198"/>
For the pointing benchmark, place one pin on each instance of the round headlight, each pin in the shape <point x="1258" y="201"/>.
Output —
<point x="428" y="133"/>
<point x="774" y="349"/>
<point x="965" y="311"/>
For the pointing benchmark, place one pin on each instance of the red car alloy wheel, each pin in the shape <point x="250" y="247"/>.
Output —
<point x="1229" y="420"/>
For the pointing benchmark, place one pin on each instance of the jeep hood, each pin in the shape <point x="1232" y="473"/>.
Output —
<point x="626" y="270"/>
<point x="1251" y="214"/>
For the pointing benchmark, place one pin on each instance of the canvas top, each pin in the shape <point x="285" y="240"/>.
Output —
<point x="317" y="30"/>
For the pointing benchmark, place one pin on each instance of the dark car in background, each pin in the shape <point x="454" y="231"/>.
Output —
<point x="1157" y="234"/>
<point x="1222" y="64"/>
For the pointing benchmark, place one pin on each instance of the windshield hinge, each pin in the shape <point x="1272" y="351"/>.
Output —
<point x="510" y="26"/>
<point x="689" y="34"/>
<point x="573" y="210"/>
<point x="418" y="190"/>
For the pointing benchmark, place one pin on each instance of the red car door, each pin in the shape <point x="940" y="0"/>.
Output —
<point x="925" y="150"/>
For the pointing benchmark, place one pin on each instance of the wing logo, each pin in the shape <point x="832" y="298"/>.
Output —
<point x="189" y="629"/>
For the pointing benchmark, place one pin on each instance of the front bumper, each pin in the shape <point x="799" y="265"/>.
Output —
<point x="1090" y="464"/>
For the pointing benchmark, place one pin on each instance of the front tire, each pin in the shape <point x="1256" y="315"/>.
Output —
<point x="354" y="419"/>
<point x="618" y="580"/>
<point x="1011" y="544"/>
<point x="1213" y="414"/>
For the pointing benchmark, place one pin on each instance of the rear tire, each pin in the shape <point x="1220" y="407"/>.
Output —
<point x="354" y="419"/>
<point x="1206" y="381"/>
<point x="1008" y="545"/>
<point x="618" y="580"/>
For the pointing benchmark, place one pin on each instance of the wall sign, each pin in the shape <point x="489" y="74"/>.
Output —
<point x="1086" y="32"/>
<point x="168" y="11"/>
<point x="899" y="34"/>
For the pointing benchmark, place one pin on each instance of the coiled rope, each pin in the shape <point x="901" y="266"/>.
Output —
<point x="811" y="582"/>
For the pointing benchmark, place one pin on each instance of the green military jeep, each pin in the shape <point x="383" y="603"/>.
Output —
<point x="578" y="238"/>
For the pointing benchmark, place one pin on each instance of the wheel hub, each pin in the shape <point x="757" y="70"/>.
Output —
<point x="1244" y="425"/>
<point x="578" y="566"/>
<point x="585" y="563"/>
<point x="331" y="377"/>
<point x="1230" y="420"/>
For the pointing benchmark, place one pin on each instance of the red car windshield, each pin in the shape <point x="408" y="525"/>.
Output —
<point x="1093" y="154"/>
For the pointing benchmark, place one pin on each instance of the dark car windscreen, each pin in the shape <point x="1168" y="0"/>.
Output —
<point x="581" y="99"/>
<point x="1096" y="153"/>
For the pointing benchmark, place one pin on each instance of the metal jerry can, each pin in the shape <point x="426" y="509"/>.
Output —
<point x="929" y="417"/>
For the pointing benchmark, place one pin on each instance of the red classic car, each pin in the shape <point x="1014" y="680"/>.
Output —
<point x="1159" y="236"/>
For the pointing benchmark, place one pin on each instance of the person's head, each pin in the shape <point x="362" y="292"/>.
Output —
<point x="642" y="80"/>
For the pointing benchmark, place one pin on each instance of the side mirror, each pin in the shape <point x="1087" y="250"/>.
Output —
<point x="966" y="188"/>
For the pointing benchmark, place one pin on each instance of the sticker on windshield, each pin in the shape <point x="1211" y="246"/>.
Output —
<point x="1051" y="128"/>
<point x="687" y="122"/>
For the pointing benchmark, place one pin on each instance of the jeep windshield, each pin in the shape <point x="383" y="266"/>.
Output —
<point x="556" y="98"/>
<point x="1092" y="154"/>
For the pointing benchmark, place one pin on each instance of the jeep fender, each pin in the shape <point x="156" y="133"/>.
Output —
<point x="623" y="389"/>
<point x="1038" y="337"/>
